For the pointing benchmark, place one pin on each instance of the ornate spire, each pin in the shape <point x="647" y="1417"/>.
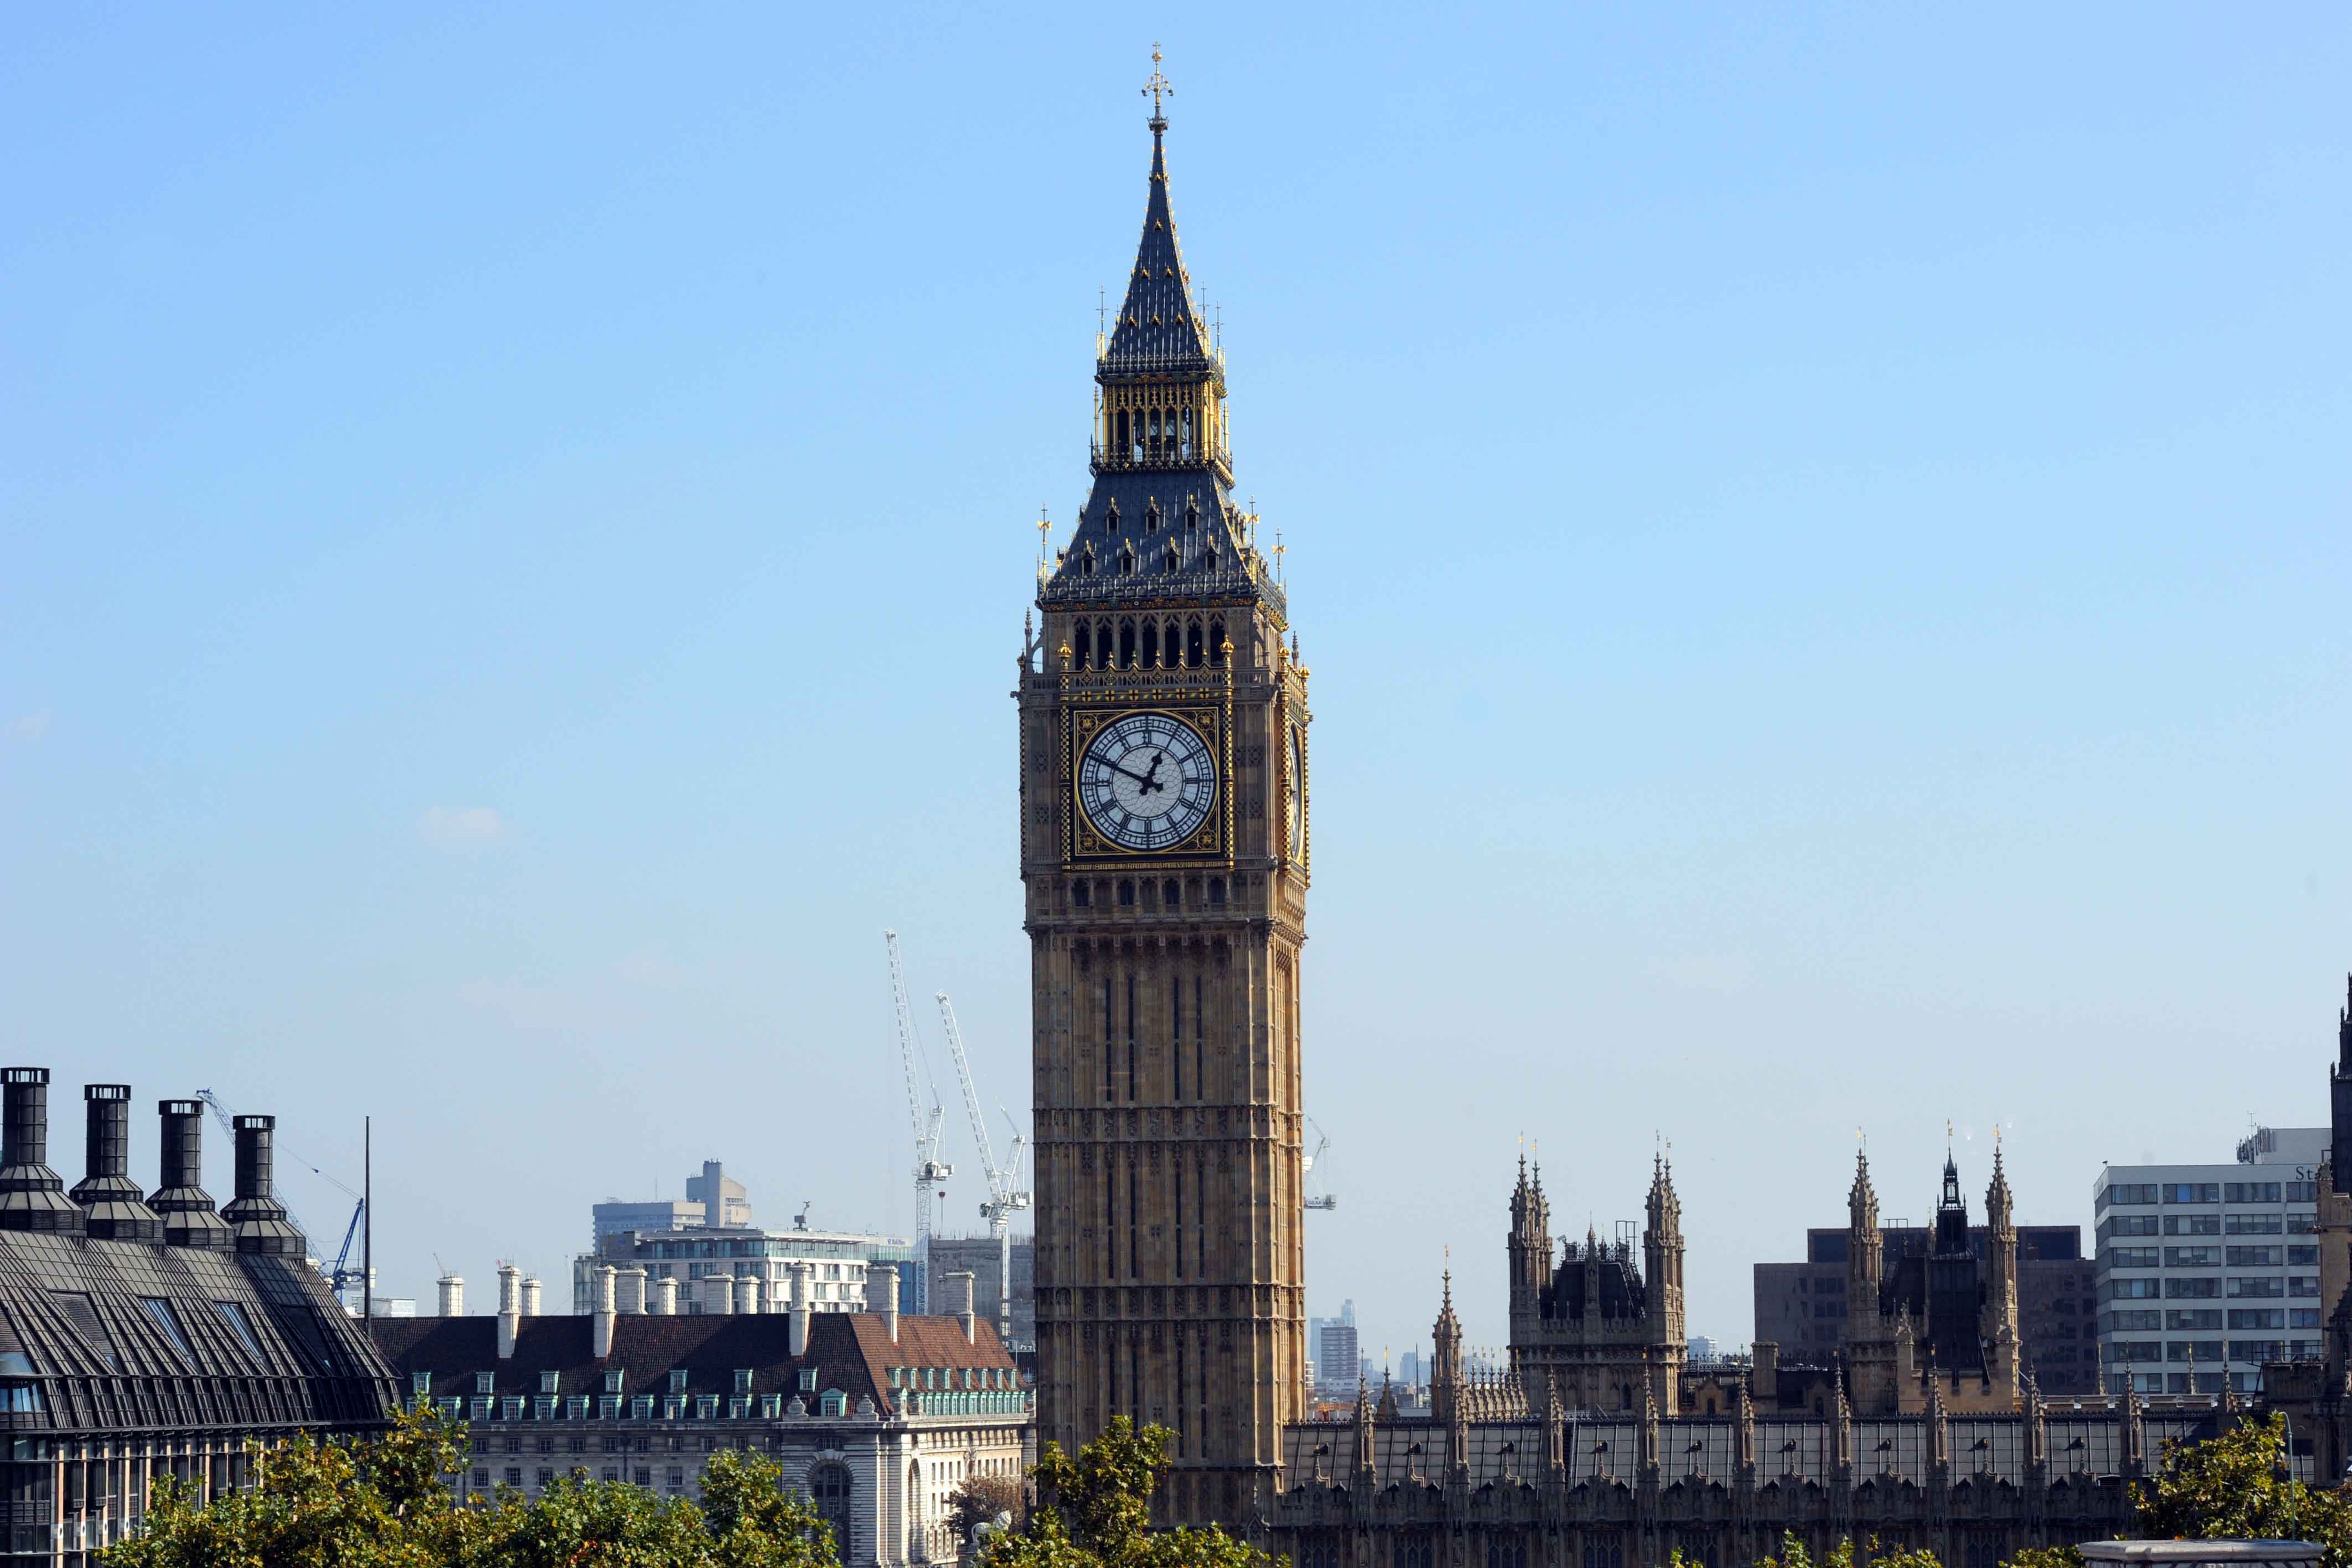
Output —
<point x="1160" y="326"/>
<point x="1998" y="1199"/>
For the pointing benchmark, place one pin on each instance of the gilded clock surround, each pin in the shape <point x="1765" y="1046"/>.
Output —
<point x="1083" y="842"/>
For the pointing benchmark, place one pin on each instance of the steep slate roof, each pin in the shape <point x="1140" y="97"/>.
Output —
<point x="125" y="1336"/>
<point x="1159" y="322"/>
<point x="849" y="1351"/>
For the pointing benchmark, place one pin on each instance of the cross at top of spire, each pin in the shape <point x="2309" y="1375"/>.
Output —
<point x="1159" y="87"/>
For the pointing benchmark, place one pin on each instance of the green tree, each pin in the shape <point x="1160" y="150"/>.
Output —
<point x="1095" y="1511"/>
<point x="2240" y="1484"/>
<point x="385" y="1502"/>
<point x="373" y="1504"/>
<point x="1793" y="1554"/>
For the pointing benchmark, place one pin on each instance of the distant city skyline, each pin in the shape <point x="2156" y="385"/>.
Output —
<point x="1821" y="543"/>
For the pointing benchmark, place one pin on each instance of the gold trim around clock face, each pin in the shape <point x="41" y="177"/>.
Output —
<point x="1083" y="841"/>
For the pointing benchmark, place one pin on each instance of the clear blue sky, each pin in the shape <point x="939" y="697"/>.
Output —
<point x="1822" y="543"/>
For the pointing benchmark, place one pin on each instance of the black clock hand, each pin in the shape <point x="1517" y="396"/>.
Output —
<point x="1144" y="779"/>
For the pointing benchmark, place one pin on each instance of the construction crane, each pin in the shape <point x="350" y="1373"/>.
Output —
<point x="1004" y="1199"/>
<point x="929" y="1171"/>
<point x="341" y="1275"/>
<point x="1317" y="1198"/>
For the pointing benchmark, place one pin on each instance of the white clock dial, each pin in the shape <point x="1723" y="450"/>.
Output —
<point x="1147" y="781"/>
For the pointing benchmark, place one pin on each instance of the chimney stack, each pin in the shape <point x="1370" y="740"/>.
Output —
<point x="751" y="1293"/>
<point x="255" y="1213"/>
<point x="509" y="1308"/>
<point x="882" y="1295"/>
<point x="186" y="1207"/>
<point x="665" y="1298"/>
<point x="530" y="1296"/>
<point x="796" y="1338"/>
<point x="108" y="1197"/>
<point x="453" y="1296"/>
<point x="630" y="1289"/>
<point x="32" y="1197"/>
<point x="717" y="1295"/>
<point x="959" y="1284"/>
<point x="604" y="1312"/>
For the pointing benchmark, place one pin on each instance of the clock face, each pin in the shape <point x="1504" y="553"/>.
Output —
<point x="1147" y="781"/>
<point x="1294" y="792"/>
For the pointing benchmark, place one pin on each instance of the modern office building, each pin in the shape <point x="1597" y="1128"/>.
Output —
<point x="148" y="1337"/>
<point x="984" y="1258"/>
<point x="2211" y="1270"/>
<point x="878" y="1419"/>
<point x="614" y="1215"/>
<point x="692" y="1262"/>
<point x="1337" y="1358"/>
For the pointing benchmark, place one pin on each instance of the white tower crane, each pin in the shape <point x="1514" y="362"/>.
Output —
<point x="1002" y="1198"/>
<point x="1317" y="1198"/>
<point x="929" y="1171"/>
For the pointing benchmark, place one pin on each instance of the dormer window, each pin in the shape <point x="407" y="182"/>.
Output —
<point x="1110" y="517"/>
<point x="678" y="1380"/>
<point x="551" y="1382"/>
<point x="1126" y="560"/>
<point x="1151" y="517"/>
<point x="485" y="1382"/>
<point x="1192" y="513"/>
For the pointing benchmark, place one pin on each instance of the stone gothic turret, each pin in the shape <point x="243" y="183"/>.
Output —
<point x="1864" y="1257"/>
<point x="1530" y="1245"/>
<point x="1662" y="1263"/>
<point x="1999" y="1317"/>
<point x="1445" y="1359"/>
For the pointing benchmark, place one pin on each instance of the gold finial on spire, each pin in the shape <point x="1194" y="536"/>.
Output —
<point x="1045" y="526"/>
<point x="1158" y="86"/>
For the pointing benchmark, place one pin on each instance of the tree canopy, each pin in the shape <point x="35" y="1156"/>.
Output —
<point x="385" y="1502"/>
<point x="1095" y="1511"/>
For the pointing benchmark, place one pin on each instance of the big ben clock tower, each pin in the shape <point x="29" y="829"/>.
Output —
<point x="1164" y="854"/>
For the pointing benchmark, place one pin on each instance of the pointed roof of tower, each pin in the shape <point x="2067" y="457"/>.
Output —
<point x="1160" y="325"/>
<point x="1861" y="1192"/>
<point x="2344" y="1029"/>
<point x="1997" y="1193"/>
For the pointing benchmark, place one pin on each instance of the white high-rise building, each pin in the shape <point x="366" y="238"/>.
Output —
<point x="2207" y="1271"/>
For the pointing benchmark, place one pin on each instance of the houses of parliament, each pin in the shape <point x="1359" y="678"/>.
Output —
<point x="1166" y="854"/>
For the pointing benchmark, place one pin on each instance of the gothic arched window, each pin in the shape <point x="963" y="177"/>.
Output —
<point x="1217" y="643"/>
<point x="1084" y="644"/>
<point x="1174" y="644"/>
<point x="1150" y="644"/>
<point x="1171" y="894"/>
<point x="1216" y="889"/>
<point x="1125" y="445"/>
<point x="1192" y="646"/>
<point x="1126" y="895"/>
<point x="1185" y="441"/>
